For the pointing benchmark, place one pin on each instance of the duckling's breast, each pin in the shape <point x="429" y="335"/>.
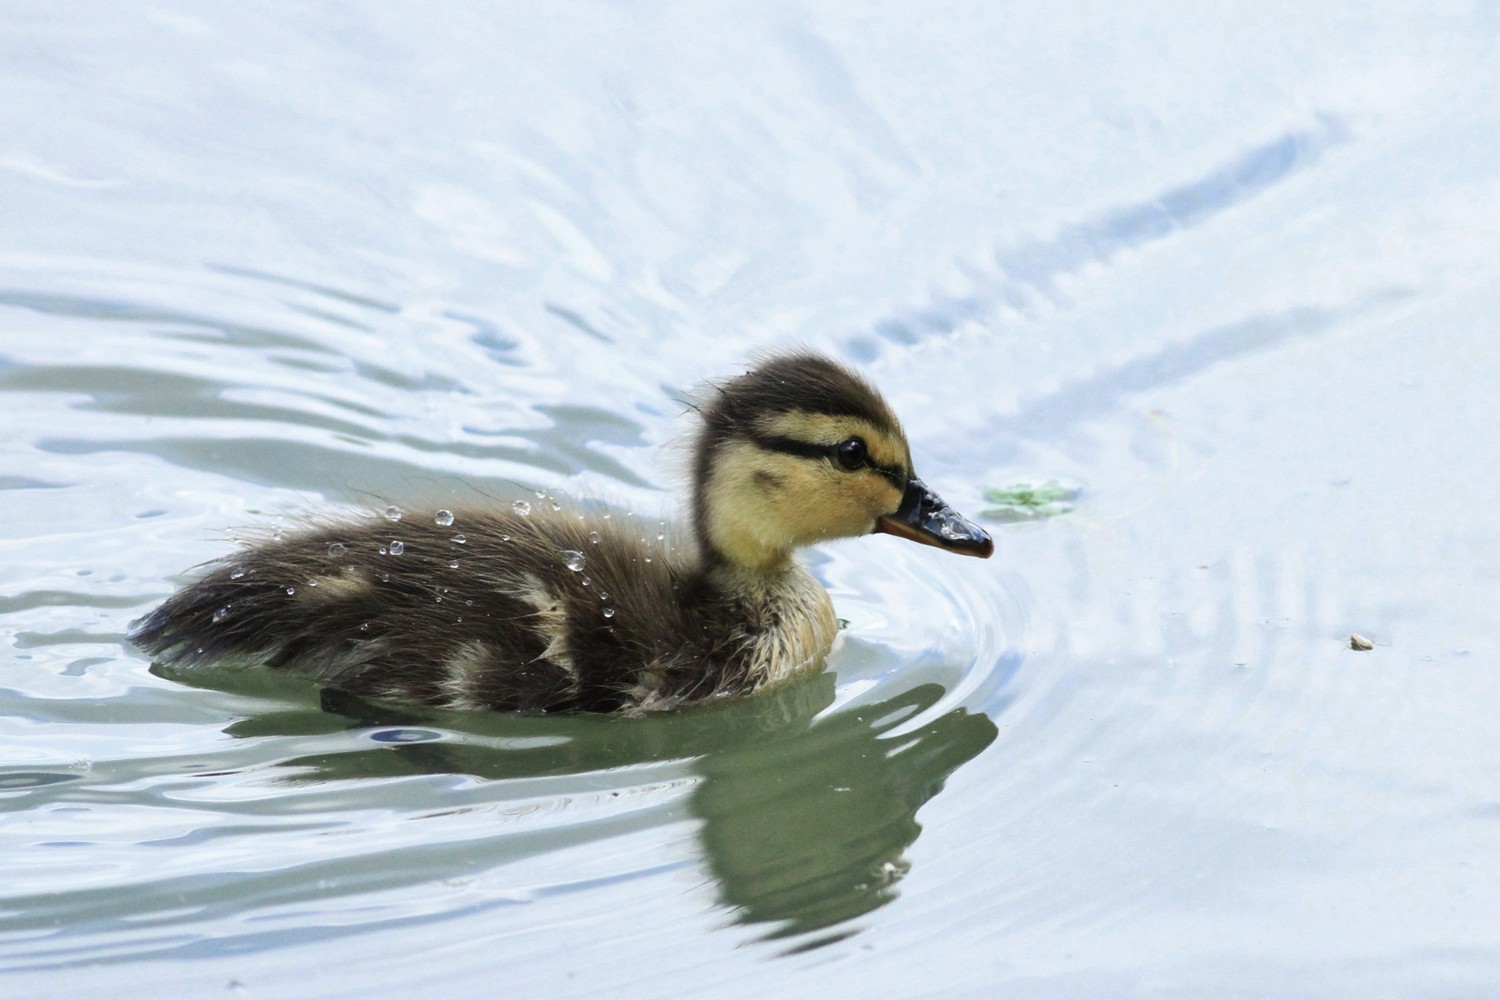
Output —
<point x="799" y="631"/>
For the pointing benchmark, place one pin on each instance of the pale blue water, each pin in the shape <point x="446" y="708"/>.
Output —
<point x="1232" y="273"/>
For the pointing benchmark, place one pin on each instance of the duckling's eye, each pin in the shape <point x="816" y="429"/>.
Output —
<point x="852" y="454"/>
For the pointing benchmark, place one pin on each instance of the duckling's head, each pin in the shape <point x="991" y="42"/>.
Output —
<point x="800" y="450"/>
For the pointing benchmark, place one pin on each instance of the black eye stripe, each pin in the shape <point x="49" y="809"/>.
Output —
<point x="791" y="446"/>
<point x="806" y="449"/>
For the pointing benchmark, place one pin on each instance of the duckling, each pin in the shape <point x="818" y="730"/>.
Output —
<point x="532" y="610"/>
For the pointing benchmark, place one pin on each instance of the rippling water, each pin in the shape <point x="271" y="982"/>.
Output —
<point x="1232" y="274"/>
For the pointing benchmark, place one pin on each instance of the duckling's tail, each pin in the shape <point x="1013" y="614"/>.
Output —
<point x="198" y="625"/>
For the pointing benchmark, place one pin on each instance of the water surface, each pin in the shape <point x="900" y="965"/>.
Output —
<point x="1230" y="276"/>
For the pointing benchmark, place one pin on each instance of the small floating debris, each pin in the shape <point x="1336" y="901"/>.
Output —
<point x="1359" y="642"/>
<point x="1029" y="501"/>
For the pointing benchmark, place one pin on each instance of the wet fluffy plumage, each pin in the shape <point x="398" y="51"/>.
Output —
<point x="518" y="624"/>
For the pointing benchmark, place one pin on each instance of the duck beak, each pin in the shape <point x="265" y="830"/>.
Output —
<point x="924" y="517"/>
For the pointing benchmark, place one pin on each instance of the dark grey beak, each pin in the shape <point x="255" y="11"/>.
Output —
<point x="924" y="517"/>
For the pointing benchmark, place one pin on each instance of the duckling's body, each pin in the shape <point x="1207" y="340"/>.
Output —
<point x="554" y="611"/>
<point x="501" y="619"/>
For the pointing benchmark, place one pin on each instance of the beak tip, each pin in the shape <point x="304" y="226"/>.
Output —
<point x="978" y="544"/>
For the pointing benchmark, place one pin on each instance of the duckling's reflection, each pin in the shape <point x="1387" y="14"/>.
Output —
<point x="808" y="829"/>
<point x="806" y="819"/>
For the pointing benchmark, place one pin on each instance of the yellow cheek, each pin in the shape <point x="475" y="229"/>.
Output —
<point x="761" y="505"/>
<point x="832" y="503"/>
